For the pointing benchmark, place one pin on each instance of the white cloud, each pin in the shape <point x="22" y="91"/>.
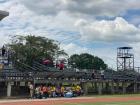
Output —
<point x="72" y="48"/>
<point x="50" y="17"/>
<point x="118" y="30"/>
<point x="4" y="40"/>
<point x="23" y="21"/>
<point x="44" y="6"/>
<point x="136" y="52"/>
<point x="82" y="7"/>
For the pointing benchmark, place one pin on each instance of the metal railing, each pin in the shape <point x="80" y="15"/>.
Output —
<point x="24" y="72"/>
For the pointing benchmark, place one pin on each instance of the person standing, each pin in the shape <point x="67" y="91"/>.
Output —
<point x="31" y="87"/>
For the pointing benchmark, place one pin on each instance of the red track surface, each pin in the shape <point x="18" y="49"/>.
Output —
<point x="61" y="101"/>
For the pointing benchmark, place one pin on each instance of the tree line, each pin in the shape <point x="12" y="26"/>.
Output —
<point x="30" y="48"/>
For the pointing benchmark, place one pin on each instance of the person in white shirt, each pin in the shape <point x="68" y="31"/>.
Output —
<point x="31" y="87"/>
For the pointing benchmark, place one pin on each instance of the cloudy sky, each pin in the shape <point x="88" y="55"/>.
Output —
<point x="97" y="27"/>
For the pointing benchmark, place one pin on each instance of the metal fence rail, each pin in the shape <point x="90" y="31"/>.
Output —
<point x="25" y="72"/>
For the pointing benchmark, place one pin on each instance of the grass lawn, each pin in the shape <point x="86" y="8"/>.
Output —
<point x="108" y="103"/>
<point x="121" y="95"/>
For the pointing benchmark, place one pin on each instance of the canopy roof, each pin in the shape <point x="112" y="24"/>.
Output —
<point x="3" y="14"/>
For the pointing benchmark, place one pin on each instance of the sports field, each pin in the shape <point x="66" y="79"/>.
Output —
<point x="92" y="100"/>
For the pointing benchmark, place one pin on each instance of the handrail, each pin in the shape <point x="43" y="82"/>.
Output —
<point x="39" y="72"/>
<point x="24" y="66"/>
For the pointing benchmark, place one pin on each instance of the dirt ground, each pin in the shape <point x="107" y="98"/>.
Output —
<point x="61" y="101"/>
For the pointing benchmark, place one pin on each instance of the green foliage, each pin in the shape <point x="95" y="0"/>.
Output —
<point x="87" y="61"/>
<point x="33" y="48"/>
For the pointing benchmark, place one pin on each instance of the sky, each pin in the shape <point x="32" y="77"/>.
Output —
<point x="97" y="27"/>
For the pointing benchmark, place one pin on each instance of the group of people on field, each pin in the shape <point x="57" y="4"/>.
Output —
<point x="43" y="91"/>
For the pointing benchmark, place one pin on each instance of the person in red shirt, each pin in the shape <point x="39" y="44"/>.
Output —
<point x="45" y="91"/>
<point x="61" y="66"/>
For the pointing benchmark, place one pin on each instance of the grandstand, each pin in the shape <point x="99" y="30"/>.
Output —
<point x="14" y="79"/>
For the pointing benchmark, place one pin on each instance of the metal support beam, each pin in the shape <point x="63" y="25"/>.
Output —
<point x="9" y="87"/>
<point x="135" y="88"/>
<point x="100" y="88"/>
<point x="112" y="88"/>
<point x="124" y="87"/>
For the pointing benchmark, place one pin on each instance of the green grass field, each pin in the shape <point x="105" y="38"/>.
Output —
<point x="121" y="95"/>
<point x="109" y="103"/>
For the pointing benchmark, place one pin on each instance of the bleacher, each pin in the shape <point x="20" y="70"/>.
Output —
<point x="19" y="71"/>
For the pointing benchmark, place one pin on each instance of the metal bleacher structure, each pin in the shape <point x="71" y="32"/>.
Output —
<point x="39" y="73"/>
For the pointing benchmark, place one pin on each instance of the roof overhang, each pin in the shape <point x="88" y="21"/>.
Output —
<point x="3" y="14"/>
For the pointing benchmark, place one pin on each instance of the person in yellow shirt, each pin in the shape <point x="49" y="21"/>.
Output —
<point x="62" y="91"/>
<point x="78" y="90"/>
<point x="53" y="91"/>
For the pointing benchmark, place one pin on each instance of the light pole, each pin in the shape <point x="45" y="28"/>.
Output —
<point x="3" y="14"/>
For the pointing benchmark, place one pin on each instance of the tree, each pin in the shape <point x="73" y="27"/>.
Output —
<point x="33" y="48"/>
<point x="87" y="61"/>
